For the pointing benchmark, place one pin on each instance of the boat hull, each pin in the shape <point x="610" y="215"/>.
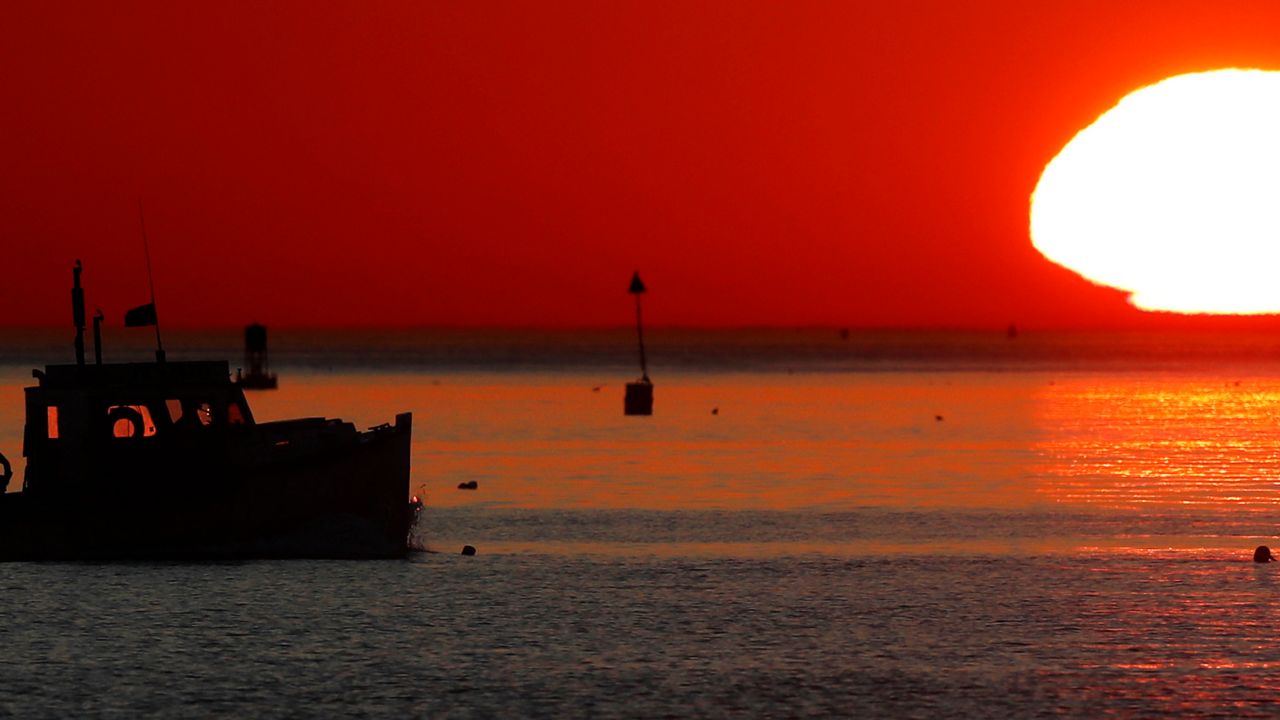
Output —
<point x="278" y="496"/>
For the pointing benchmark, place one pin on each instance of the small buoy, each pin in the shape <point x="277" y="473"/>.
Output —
<point x="715" y="411"/>
<point x="937" y="418"/>
<point x="468" y="550"/>
<point x="638" y="399"/>
<point x="1263" y="554"/>
<point x="596" y="388"/>
<point x="468" y="485"/>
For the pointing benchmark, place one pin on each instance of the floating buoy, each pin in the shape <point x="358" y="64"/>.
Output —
<point x="468" y="550"/>
<point x="468" y="485"/>
<point x="639" y="396"/>
<point x="1263" y="554"/>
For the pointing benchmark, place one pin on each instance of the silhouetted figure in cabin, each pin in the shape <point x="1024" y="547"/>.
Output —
<point x="7" y="474"/>
<point x="190" y="417"/>
<point x="1263" y="554"/>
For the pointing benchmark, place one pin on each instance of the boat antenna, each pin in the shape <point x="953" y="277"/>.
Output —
<point x="151" y="283"/>
<point x="97" y="337"/>
<point x="637" y="288"/>
<point x="77" y="311"/>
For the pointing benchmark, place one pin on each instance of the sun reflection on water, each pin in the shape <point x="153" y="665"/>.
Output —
<point x="1160" y="441"/>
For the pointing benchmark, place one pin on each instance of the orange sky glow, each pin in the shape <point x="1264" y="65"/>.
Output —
<point x="509" y="164"/>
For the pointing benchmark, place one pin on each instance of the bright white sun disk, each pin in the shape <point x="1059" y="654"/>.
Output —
<point x="1174" y="195"/>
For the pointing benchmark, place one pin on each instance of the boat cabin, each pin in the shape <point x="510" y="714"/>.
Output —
<point x="116" y="420"/>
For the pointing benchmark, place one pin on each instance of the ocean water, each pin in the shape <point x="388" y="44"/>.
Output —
<point x="893" y="525"/>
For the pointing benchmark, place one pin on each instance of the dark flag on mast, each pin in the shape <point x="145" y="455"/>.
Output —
<point x="141" y="316"/>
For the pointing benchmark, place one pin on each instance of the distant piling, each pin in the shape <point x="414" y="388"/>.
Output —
<point x="256" y="359"/>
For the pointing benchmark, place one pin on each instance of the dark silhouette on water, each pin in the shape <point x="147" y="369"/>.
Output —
<point x="468" y="485"/>
<point x="259" y="376"/>
<point x="639" y="394"/>
<point x="164" y="460"/>
<point x="1262" y="554"/>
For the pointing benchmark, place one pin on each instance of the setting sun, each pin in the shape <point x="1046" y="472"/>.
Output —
<point x="1173" y="195"/>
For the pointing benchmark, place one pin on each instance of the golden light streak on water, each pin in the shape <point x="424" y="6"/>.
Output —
<point x="1129" y="441"/>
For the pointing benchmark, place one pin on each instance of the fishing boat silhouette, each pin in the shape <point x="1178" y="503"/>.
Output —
<point x="154" y="460"/>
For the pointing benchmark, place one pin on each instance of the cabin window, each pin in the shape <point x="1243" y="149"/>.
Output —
<point x="188" y="413"/>
<point x="52" y="412"/>
<point x="130" y="421"/>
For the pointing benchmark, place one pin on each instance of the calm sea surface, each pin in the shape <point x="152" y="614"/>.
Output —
<point x="892" y="525"/>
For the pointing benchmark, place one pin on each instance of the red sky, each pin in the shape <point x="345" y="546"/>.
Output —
<point x="510" y="163"/>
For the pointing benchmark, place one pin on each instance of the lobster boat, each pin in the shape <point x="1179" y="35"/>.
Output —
<point x="164" y="460"/>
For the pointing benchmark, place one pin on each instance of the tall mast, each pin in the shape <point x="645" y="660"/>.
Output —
<point x="638" y="289"/>
<point x="639" y="397"/>
<point x="151" y="284"/>
<point x="77" y="311"/>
